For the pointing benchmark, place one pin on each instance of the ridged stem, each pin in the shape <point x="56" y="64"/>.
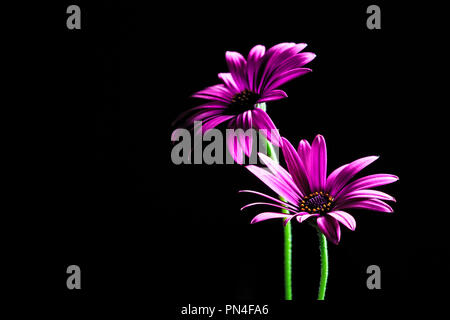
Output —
<point x="323" y="265"/>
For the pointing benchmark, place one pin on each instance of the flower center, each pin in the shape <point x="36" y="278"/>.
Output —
<point x="317" y="202"/>
<point x="243" y="101"/>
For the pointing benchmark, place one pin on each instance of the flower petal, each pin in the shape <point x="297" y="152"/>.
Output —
<point x="304" y="150"/>
<point x="344" y="218"/>
<point x="275" y="184"/>
<point x="303" y="217"/>
<point x="295" y="166"/>
<point x="203" y="115"/>
<point x="280" y="172"/>
<point x="268" y="204"/>
<point x="248" y="123"/>
<point x="364" y="194"/>
<point x="230" y="83"/>
<point x="296" y="61"/>
<point x="265" y="125"/>
<point x="349" y="172"/>
<point x="369" y="204"/>
<point x="244" y="121"/>
<point x="273" y="58"/>
<point x="238" y="68"/>
<point x="189" y="115"/>
<point x="271" y="198"/>
<point x="285" y="77"/>
<point x="304" y="58"/>
<point x="332" y="177"/>
<point x="212" y="123"/>
<point x="234" y="147"/>
<point x="217" y="92"/>
<point x="253" y="66"/>
<point x="374" y="180"/>
<point x="272" y="215"/>
<point x="318" y="169"/>
<point x="300" y="46"/>
<point x="272" y="95"/>
<point x="330" y="228"/>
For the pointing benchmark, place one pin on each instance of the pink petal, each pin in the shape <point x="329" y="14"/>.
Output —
<point x="275" y="184"/>
<point x="300" y="46"/>
<point x="295" y="167"/>
<point x="279" y="171"/>
<point x="253" y="64"/>
<point x="304" y="151"/>
<point x="273" y="95"/>
<point x="218" y="92"/>
<point x="374" y="180"/>
<point x="271" y="198"/>
<point x="204" y="115"/>
<point x="303" y="217"/>
<point x="275" y="56"/>
<point x="332" y="177"/>
<point x="234" y="147"/>
<point x="344" y="218"/>
<point x="230" y="82"/>
<point x="294" y="62"/>
<point x="212" y="123"/>
<point x="271" y="215"/>
<point x="304" y="58"/>
<point x="246" y="140"/>
<point x="217" y="106"/>
<point x="330" y="228"/>
<point x="364" y="194"/>
<point x="238" y="68"/>
<point x="265" y="125"/>
<point x="370" y="204"/>
<point x="349" y="172"/>
<point x="318" y="158"/>
<point x="286" y="77"/>
<point x="268" y="204"/>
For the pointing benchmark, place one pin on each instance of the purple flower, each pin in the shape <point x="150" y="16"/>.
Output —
<point x="249" y="83"/>
<point x="309" y="192"/>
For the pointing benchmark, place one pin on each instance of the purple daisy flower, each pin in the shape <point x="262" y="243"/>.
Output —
<point x="309" y="192"/>
<point x="249" y="83"/>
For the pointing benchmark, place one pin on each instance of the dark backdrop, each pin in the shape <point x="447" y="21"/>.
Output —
<point x="103" y="193"/>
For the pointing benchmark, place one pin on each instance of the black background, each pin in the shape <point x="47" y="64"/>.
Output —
<point x="98" y="188"/>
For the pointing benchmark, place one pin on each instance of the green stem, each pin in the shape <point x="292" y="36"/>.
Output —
<point x="287" y="231"/>
<point x="287" y="260"/>
<point x="323" y="265"/>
